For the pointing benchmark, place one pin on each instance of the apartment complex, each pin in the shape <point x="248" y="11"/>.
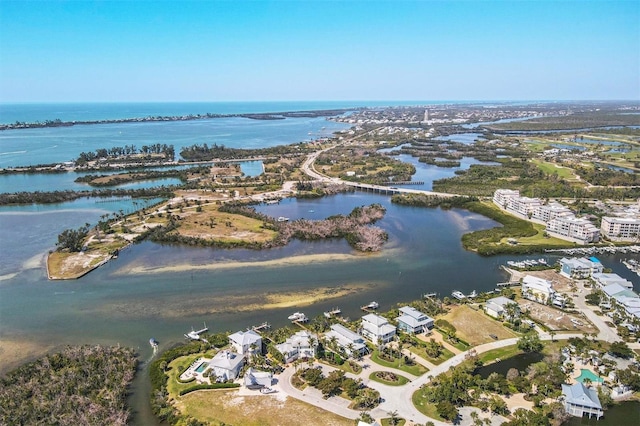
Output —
<point x="620" y="228"/>
<point x="559" y="220"/>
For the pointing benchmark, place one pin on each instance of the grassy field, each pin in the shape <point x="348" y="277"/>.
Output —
<point x="424" y="406"/>
<point x="445" y="355"/>
<point x="210" y="223"/>
<point x="416" y="370"/>
<point x="500" y="353"/>
<point x="475" y="327"/>
<point x="539" y="239"/>
<point x="550" y="169"/>
<point x="174" y="371"/>
<point x="218" y="406"/>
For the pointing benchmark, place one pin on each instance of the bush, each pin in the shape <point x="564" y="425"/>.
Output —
<point x="213" y="386"/>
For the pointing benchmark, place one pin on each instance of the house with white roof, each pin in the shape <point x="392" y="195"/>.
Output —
<point x="257" y="378"/>
<point x="497" y="307"/>
<point x="580" y="267"/>
<point x="352" y="343"/>
<point x="580" y="400"/>
<point x="226" y="365"/>
<point x="377" y="329"/>
<point x="301" y="345"/>
<point x="413" y="321"/>
<point x="606" y="279"/>
<point x="537" y="289"/>
<point x="246" y="342"/>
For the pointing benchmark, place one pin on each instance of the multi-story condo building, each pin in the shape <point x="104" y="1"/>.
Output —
<point x="550" y="211"/>
<point x="501" y="197"/>
<point x="620" y="228"/>
<point x="573" y="228"/>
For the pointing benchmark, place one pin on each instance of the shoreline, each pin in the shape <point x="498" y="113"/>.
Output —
<point x="190" y="117"/>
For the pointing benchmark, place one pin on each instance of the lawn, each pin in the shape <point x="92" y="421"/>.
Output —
<point x="261" y="410"/>
<point x="387" y="422"/>
<point x="174" y="369"/>
<point x="346" y="367"/>
<point x="500" y="353"/>
<point x="475" y="327"/>
<point x="424" y="406"/>
<point x="400" y="380"/>
<point x="416" y="369"/>
<point x="550" y="169"/>
<point x="420" y="351"/>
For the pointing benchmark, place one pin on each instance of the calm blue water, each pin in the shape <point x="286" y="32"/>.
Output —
<point x="66" y="181"/>
<point x="25" y="147"/>
<point x="465" y="138"/>
<point x="32" y="112"/>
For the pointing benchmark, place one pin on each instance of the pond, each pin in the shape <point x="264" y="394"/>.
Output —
<point x="521" y="362"/>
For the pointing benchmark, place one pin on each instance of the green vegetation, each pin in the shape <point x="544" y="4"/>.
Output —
<point x="212" y="386"/>
<point x="363" y="397"/>
<point x="388" y="378"/>
<point x="80" y="385"/>
<point x="72" y="239"/>
<point x="402" y="362"/>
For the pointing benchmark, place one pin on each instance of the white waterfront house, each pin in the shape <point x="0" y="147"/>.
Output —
<point x="497" y="307"/>
<point x="226" y="365"/>
<point x="413" y="321"/>
<point x="352" y="343"/>
<point x="537" y="289"/>
<point x="377" y="329"/>
<point x="580" y="267"/>
<point x="301" y="345"/>
<point x="580" y="400"/>
<point x="246" y="342"/>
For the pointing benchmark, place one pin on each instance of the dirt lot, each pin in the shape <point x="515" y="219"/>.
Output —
<point x="555" y="319"/>
<point x="264" y="410"/>
<point x="475" y="327"/>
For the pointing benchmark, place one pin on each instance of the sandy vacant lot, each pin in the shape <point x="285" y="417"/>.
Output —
<point x="261" y="410"/>
<point x="475" y="327"/>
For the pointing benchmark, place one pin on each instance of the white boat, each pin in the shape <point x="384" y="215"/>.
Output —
<point x="370" y="307"/>
<point x="458" y="295"/>
<point x="154" y="343"/>
<point x="298" y="317"/>
<point x="195" y="335"/>
<point x="333" y="312"/>
<point x="472" y="294"/>
<point x="283" y="219"/>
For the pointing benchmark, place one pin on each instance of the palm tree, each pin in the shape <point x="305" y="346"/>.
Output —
<point x="393" y="417"/>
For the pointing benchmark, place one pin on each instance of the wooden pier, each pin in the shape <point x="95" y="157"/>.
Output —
<point x="508" y="284"/>
<point x="261" y="327"/>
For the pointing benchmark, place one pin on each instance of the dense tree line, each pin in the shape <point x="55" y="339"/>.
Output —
<point x="52" y="197"/>
<point x="206" y="153"/>
<point x="72" y="239"/>
<point x="82" y="385"/>
<point x="94" y="180"/>
<point x="119" y="152"/>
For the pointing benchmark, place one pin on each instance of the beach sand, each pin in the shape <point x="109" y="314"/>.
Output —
<point x="14" y="352"/>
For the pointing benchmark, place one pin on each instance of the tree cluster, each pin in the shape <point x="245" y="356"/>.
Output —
<point x="82" y="385"/>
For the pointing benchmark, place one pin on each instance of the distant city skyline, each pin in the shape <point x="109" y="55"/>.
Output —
<point x="208" y="51"/>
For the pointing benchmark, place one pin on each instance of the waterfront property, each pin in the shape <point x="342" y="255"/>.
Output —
<point x="537" y="289"/>
<point x="580" y="400"/>
<point x="606" y="279"/>
<point x="620" y="228"/>
<point x="352" y="343"/>
<point x="301" y="345"/>
<point x="257" y="378"/>
<point x="226" y="365"/>
<point x="560" y="221"/>
<point x="246" y="342"/>
<point x="377" y="329"/>
<point x="413" y="321"/>
<point x="499" y="308"/>
<point x="580" y="267"/>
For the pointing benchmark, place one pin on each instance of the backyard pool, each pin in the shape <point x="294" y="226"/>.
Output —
<point x="588" y="374"/>
<point x="202" y="367"/>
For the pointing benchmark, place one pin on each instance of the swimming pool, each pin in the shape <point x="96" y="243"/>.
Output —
<point x="201" y="367"/>
<point x="588" y="374"/>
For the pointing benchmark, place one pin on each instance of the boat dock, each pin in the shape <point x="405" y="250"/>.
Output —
<point x="429" y="295"/>
<point x="508" y="284"/>
<point x="264" y="326"/>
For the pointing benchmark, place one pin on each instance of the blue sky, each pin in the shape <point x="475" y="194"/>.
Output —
<point x="65" y="51"/>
